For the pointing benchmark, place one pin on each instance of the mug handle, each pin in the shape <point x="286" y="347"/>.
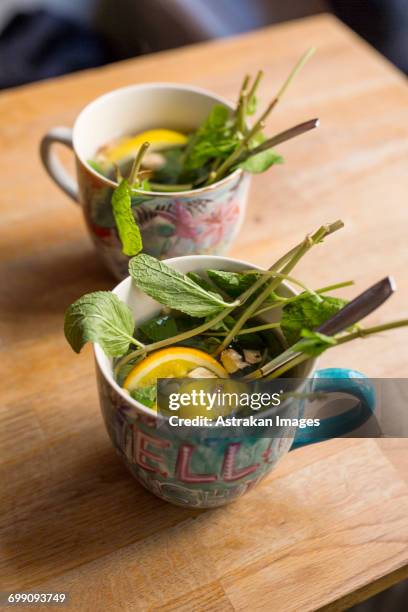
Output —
<point x="335" y="380"/>
<point x="53" y="166"/>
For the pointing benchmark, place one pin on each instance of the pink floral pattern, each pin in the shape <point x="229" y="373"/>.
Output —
<point x="182" y="219"/>
<point x="216" y="224"/>
<point x="202" y="223"/>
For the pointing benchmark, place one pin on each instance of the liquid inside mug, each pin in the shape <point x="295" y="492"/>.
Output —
<point x="198" y="470"/>
<point x="200" y="221"/>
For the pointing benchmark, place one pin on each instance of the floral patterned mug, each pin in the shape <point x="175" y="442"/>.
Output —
<point x="201" y="221"/>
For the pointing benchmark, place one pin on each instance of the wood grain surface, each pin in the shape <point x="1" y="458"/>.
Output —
<point x="330" y="525"/>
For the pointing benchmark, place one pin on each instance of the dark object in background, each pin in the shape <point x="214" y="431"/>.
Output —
<point x="39" y="45"/>
<point x="393" y="599"/>
<point x="383" y="23"/>
<point x="153" y="25"/>
<point x="156" y="25"/>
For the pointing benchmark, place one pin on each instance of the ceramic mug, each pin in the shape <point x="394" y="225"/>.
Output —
<point x="204" y="220"/>
<point x="197" y="470"/>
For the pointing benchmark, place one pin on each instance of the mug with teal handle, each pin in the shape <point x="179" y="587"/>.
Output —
<point x="339" y="380"/>
<point x="195" y="468"/>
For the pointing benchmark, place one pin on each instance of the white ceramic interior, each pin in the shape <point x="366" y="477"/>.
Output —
<point x="144" y="308"/>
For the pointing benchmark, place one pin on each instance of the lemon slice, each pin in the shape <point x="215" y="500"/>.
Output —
<point x="173" y="362"/>
<point x="127" y="147"/>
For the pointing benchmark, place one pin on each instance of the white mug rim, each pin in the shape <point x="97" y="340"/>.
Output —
<point x="153" y="85"/>
<point x="108" y="374"/>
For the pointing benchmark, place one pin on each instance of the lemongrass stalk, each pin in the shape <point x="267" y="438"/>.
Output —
<point x="288" y="366"/>
<point x="292" y="132"/>
<point x="242" y="103"/>
<point x="281" y="301"/>
<point x="272" y="369"/>
<point x="170" y="188"/>
<point x="376" y="329"/>
<point x="137" y="162"/>
<point x="245" y="99"/>
<point x="247" y="330"/>
<point x="298" y="67"/>
<point x="255" y="85"/>
<point x="300" y="250"/>
<point x="242" y="91"/>
<point x="336" y="286"/>
<point x="291" y="279"/>
<point x="259" y="124"/>
<point x="208" y="324"/>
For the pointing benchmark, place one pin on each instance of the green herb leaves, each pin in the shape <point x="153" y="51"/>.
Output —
<point x="233" y="283"/>
<point x="221" y="144"/>
<point x="215" y="138"/>
<point x="260" y="162"/>
<point x="307" y="312"/>
<point x="145" y="395"/>
<point x="127" y="227"/>
<point x="173" y="289"/>
<point x="102" y="318"/>
<point x="313" y="343"/>
<point x="159" y="328"/>
<point x="167" y="326"/>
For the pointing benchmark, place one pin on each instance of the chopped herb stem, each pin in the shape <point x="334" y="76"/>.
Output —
<point x="133" y="176"/>
<point x="272" y="369"/>
<point x="249" y="330"/>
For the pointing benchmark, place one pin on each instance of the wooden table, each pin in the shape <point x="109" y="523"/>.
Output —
<point x="330" y="525"/>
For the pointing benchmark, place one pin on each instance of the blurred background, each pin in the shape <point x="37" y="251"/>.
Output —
<point x="45" y="38"/>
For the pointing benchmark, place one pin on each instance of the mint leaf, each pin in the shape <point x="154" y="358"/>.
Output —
<point x="260" y="162"/>
<point x="167" y="326"/>
<point x="127" y="227"/>
<point x="199" y="280"/>
<point x="216" y="119"/>
<point x="307" y="312"/>
<point x="145" y="395"/>
<point x="159" y="328"/>
<point x="208" y="344"/>
<point x="314" y="343"/>
<point x="173" y="289"/>
<point x="100" y="317"/>
<point x="225" y="325"/>
<point x="214" y="138"/>
<point x="233" y="283"/>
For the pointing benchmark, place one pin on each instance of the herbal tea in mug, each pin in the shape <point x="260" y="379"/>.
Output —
<point x="162" y="160"/>
<point x="168" y="163"/>
<point x="185" y="319"/>
<point x="211" y="323"/>
<point x="166" y="160"/>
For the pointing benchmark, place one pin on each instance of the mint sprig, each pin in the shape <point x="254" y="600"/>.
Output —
<point x="128" y="230"/>
<point x="307" y="312"/>
<point x="100" y="317"/>
<point x="210" y="322"/>
<point x="284" y="263"/>
<point x="174" y="289"/>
